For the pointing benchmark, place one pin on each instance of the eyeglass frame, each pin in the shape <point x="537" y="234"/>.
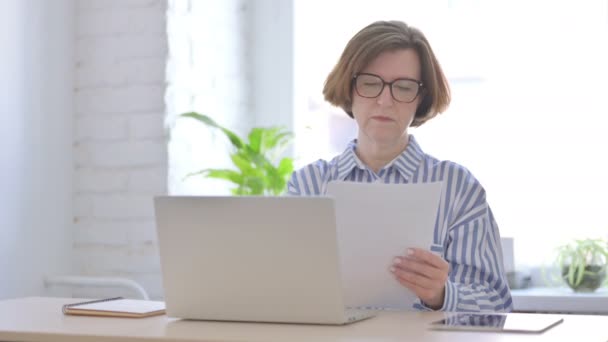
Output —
<point x="390" y="86"/>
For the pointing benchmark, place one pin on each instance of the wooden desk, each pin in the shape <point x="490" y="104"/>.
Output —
<point x="40" y="319"/>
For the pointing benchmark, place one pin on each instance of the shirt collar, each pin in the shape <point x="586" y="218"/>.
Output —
<point x="406" y="163"/>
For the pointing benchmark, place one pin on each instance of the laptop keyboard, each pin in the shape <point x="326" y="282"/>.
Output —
<point x="373" y="308"/>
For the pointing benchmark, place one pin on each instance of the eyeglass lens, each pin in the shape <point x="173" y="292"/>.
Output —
<point x="402" y="90"/>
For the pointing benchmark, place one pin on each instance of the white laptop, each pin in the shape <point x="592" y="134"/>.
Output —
<point x="262" y="259"/>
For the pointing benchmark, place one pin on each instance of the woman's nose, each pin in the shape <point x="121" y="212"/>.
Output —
<point x="385" y="97"/>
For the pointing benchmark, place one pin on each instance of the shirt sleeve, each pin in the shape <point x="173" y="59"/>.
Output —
<point x="293" y="186"/>
<point x="476" y="281"/>
<point x="309" y="180"/>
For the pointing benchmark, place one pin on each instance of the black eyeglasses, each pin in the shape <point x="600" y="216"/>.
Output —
<point x="402" y="89"/>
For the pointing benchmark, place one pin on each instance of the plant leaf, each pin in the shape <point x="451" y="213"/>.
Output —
<point x="255" y="139"/>
<point x="230" y="175"/>
<point x="197" y="173"/>
<point x="285" y="167"/>
<point x="277" y="183"/>
<point x="233" y="137"/>
<point x="241" y="161"/>
<point x="255" y="184"/>
<point x="256" y="171"/>
<point x="275" y="140"/>
<point x="258" y="159"/>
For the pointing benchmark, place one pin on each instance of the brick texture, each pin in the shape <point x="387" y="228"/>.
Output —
<point x="134" y="74"/>
<point x="120" y="143"/>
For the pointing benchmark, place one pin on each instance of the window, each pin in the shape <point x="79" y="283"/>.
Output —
<point x="528" y="115"/>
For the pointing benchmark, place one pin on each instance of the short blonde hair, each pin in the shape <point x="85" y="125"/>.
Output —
<point x="371" y="41"/>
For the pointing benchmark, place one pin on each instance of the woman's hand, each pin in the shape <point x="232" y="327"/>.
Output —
<point x="424" y="273"/>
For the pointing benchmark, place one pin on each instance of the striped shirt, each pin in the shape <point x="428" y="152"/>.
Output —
<point x="465" y="234"/>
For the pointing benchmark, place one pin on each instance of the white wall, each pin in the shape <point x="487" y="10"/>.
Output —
<point x="120" y="146"/>
<point x="35" y="143"/>
<point x="215" y="66"/>
<point x="83" y="156"/>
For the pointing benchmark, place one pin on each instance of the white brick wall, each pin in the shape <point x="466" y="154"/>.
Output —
<point x="120" y="145"/>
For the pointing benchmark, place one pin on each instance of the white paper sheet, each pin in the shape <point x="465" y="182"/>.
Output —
<point x="375" y="223"/>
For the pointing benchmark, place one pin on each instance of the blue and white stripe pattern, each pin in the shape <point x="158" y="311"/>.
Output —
<point x="466" y="234"/>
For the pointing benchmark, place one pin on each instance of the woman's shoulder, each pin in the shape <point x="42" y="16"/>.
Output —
<point x="321" y="166"/>
<point x="448" y="169"/>
<point x="312" y="178"/>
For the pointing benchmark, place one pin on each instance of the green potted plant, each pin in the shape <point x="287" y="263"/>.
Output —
<point x="582" y="264"/>
<point x="259" y="168"/>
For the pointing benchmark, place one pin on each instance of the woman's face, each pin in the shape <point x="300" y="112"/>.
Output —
<point x="384" y="120"/>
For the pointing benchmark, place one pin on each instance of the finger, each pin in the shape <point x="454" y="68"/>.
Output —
<point x="429" y="291"/>
<point x="431" y="297"/>
<point x="423" y="293"/>
<point x="428" y="257"/>
<point x="426" y="294"/>
<point x="416" y="280"/>
<point x="422" y="269"/>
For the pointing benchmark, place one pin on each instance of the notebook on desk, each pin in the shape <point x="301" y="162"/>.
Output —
<point x="262" y="259"/>
<point x="115" y="307"/>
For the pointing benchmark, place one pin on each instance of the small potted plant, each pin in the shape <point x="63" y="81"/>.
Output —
<point x="259" y="168"/>
<point x="582" y="264"/>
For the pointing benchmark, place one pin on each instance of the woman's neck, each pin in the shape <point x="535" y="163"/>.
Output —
<point x="376" y="155"/>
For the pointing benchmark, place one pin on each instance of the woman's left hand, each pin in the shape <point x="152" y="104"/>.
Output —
<point x="423" y="272"/>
